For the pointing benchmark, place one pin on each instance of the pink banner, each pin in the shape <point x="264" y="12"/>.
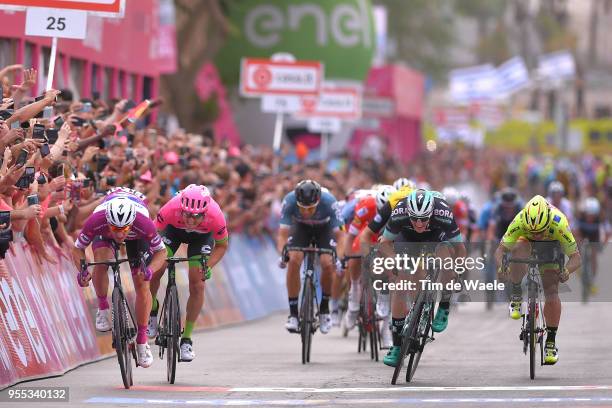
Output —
<point x="45" y="327"/>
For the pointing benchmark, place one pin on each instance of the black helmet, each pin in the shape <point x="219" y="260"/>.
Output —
<point x="307" y="193"/>
<point x="508" y="195"/>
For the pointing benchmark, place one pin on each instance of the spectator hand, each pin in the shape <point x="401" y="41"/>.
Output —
<point x="90" y="152"/>
<point x="50" y="96"/>
<point x="33" y="211"/>
<point x="29" y="80"/>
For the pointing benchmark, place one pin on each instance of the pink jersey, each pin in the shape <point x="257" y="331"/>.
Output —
<point x="213" y="222"/>
<point x="142" y="228"/>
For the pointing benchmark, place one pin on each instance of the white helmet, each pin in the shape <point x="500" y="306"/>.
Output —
<point x="382" y="196"/>
<point x="591" y="206"/>
<point x="120" y="211"/>
<point x="402" y="182"/>
<point x="451" y="194"/>
<point x="129" y="191"/>
<point x="556" y="187"/>
<point x="420" y="204"/>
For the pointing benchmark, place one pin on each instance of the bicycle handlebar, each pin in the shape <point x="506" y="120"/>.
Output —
<point x="315" y="250"/>
<point x="108" y="263"/>
<point x="203" y="262"/>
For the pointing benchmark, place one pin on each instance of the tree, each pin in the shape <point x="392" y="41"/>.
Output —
<point x="423" y="33"/>
<point x="201" y="29"/>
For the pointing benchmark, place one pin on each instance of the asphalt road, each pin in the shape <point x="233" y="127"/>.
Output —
<point x="477" y="362"/>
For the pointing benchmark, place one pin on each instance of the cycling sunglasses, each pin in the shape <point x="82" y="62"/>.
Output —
<point x="120" y="229"/>
<point x="190" y="215"/>
<point x="423" y="220"/>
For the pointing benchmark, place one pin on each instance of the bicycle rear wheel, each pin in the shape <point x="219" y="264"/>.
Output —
<point x="120" y="337"/>
<point x="306" y="320"/>
<point x="532" y="337"/>
<point x="173" y="333"/>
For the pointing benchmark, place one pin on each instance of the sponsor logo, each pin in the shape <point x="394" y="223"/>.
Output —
<point x="362" y="211"/>
<point x="443" y="213"/>
<point x="332" y="243"/>
<point x="206" y="249"/>
<point x="399" y="211"/>
<point x="556" y="218"/>
<point x="221" y="230"/>
<point x="167" y="240"/>
<point x="377" y="218"/>
<point x="160" y="218"/>
<point x="444" y="203"/>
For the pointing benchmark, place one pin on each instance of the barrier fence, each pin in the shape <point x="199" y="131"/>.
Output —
<point x="47" y="320"/>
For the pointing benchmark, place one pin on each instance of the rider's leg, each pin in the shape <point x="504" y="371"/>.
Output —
<point x="552" y="313"/>
<point x="100" y="282"/>
<point x="354" y="268"/>
<point x="521" y="249"/>
<point x="440" y="322"/>
<point x="328" y="269"/>
<point x="293" y="281"/>
<point x="196" y="299"/>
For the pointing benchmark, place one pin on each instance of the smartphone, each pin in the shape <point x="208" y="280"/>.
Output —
<point x="15" y="125"/>
<point x="33" y="199"/>
<point x="103" y="160"/>
<point x="6" y="113"/>
<point x="22" y="158"/>
<point x="129" y="154"/>
<point x="25" y="180"/>
<point x="58" y="122"/>
<point x="41" y="179"/>
<point x="38" y="132"/>
<point x="78" y="122"/>
<point x="86" y="107"/>
<point x="51" y="135"/>
<point x="111" y="181"/>
<point x="39" y="98"/>
<point x="163" y="186"/>
<point x="75" y="192"/>
<point x="86" y="182"/>
<point x="44" y="150"/>
<point x="5" y="218"/>
<point x="25" y="125"/>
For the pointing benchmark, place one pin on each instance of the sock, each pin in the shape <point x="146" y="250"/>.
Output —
<point x="551" y="333"/>
<point x="396" y="330"/>
<point x="444" y="305"/>
<point x="103" y="303"/>
<point x="154" y="307"/>
<point x="334" y="305"/>
<point x="141" y="337"/>
<point x="324" y="308"/>
<point x="293" y="306"/>
<point x="188" y="329"/>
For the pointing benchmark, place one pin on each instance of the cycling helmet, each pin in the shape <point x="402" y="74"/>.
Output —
<point x="120" y="212"/>
<point x="451" y="194"/>
<point x="307" y="193"/>
<point x="420" y="204"/>
<point x="402" y="182"/>
<point x="556" y="187"/>
<point x="536" y="214"/>
<point x="382" y="196"/>
<point x="508" y="195"/>
<point x="125" y="190"/>
<point x="195" y="199"/>
<point x="591" y="206"/>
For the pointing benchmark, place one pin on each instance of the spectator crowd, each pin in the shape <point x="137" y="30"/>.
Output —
<point x="59" y="156"/>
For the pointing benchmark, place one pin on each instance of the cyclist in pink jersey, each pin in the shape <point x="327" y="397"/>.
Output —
<point x="123" y="219"/>
<point x="192" y="217"/>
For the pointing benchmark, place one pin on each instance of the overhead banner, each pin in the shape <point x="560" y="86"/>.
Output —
<point x="110" y="8"/>
<point x="340" y="33"/>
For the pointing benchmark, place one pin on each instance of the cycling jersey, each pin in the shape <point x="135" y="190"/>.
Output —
<point x="565" y="206"/>
<point x="557" y="231"/>
<point x="143" y="228"/>
<point x="381" y="218"/>
<point x="441" y="227"/>
<point x="591" y="229"/>
<point x="326" y="213"/>
<point x="365" y="211"/>
<point x="213" y="222"/>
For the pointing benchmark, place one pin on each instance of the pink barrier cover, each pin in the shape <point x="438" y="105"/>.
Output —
<point x="45" y="325"/>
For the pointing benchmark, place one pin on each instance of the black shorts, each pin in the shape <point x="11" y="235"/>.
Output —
<point x="302" y="235"/>
<point x="136" y="249"/>
<point x="198" y="243"/>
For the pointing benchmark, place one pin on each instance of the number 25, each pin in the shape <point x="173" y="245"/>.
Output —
<point x="59" y="24"/>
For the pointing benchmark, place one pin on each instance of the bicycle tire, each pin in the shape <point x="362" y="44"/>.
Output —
<point x="119" y="337"/>
<point x="415" y="357"/>
<point x="173" y="334"/>
<point x="532" y="337"/>
<point x="306" y="321"/>
<point x="407" y="339"/>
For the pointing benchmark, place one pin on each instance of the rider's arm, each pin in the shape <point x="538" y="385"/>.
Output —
<point x="218" y="252"/>
<point x="158" y="260"/>
<point x="283" y="235"/>
<point x="342" y="241"/>
<point x="78" y="254"/>
<point x="573" y="262"/>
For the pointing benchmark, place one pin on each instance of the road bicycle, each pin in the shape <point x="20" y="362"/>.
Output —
<point x="309" y="306"/>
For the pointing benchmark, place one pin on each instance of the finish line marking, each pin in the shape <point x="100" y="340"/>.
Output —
<point x="350" y="402"/>
<point x="289" y="390"/>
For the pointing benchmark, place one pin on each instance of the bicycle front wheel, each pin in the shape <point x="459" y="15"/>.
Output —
<point x="173" y="327"/>
<point x="532" y="338"/>
<point x="120" y="337"/>
<point x="306" y="320"/>
<point x="421" y="340"/>
<point x="409" y="339"/>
